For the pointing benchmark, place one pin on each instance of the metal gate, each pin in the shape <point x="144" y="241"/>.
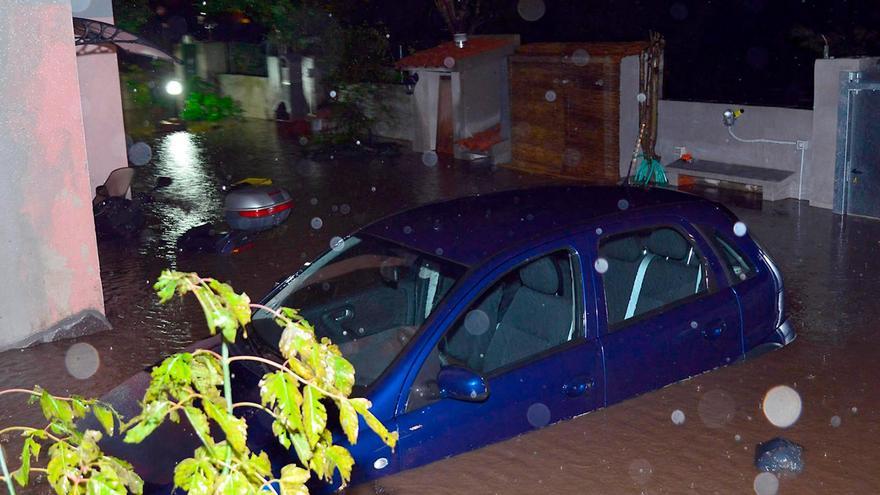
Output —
<point x="857" y="168"/>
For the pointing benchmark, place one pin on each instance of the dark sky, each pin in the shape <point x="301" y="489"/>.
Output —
<point x="738" y="51"/>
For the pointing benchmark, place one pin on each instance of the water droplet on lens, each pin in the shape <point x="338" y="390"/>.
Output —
<point x="835" y="421"/>
<point x="429" y="158"/>
<point x="599" y="231"/>
<point x="531" y="10"/>
<point x="476" y="322"/>
<point x="407" y="229"/>
<point x="317" y="223"/>
<point x="677" y="417"/>
<point x="333" y="94"/>
<point x="313" y="201"/>
<point x="303" y="140"/>
<point x="344" y="209"/>
<point x="766" y="484"/>
<point x="449" y="62"/>
<point x="439" y="251"/>
<point x="580" y="57"/>
<point x="82" y="360"/>
<point x="740" y="229"/>
<point x="140" y="154"/>
<point x="538" y="415"/>
<point x="550" y="96"/>
<point x="782" y="406"/>
<point x="641" y="97"/>
<point x="337" y="244"/>
<point x="640" y="471"/>
<point x="623" y="204"/>
<point x="601" y="265"/>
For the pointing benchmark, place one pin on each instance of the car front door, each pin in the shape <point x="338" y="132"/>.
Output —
<point x="524" y="332"/>
<point x="667" y="314"/>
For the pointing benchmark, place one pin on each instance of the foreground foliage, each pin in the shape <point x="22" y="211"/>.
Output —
<point x="196" y="387"/>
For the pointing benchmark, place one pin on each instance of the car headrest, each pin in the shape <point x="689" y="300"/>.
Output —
<point x="541" y="276"/>
<point x="623" y="249"/>
<point x="669" y="244"/>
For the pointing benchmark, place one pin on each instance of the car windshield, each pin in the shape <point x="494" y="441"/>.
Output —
<point x="368" y="296"/>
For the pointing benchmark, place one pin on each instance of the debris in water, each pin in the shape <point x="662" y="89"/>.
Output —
<point x="779" y="456"/>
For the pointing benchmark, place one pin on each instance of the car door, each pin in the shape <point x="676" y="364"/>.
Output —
<point x="665" y="315"/>
<point x="529" y="386"/>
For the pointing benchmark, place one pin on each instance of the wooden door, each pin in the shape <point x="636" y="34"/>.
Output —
<point x="445" y="144"/>
<point x="538" y="115"/>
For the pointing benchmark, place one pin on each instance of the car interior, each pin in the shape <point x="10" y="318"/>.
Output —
<point x="647" y="270"/>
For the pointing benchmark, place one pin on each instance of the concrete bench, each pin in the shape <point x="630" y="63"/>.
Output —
<point x="773" y="182"/>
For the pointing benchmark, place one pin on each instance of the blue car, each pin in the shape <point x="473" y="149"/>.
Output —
<point x="477" y="319"/>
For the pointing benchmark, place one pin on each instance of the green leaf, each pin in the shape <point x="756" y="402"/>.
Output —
<point x="238" y="304"/>
<point x="166" y="285"/>
<point x="362" y="406"/>
<point x="302" y="447"/>
<point x="348" y="418"/>
<point x="314" y="415"/>
<point x="280" y="392"/>
<point x="260" y="464"/>
<point x="233" y="483"/>
<point x="199" y="422"/>
<point x="55" y="409"/>
<point x="207" y="375"/>
<point x="104" y="481"/>
<point x="79" y="406"/>
<point x="105" y="417"/>
<point x="30" y="448"/>
<point x="341" y="458"/>
<point x="234" y="428"/>
<point x="125" y="473"/>
<point x="293" y="479"/>
<point x="343" y="373"/>
<point x="195" y="476"/>
<point x="149" y="419"/>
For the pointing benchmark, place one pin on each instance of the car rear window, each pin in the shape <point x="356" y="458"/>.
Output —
<point x="736" y="263"/>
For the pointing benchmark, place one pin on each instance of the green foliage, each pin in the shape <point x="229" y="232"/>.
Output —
<point x="204" y="103"/>
<point x="312" y="373"/>
<point x="131" y="15"/>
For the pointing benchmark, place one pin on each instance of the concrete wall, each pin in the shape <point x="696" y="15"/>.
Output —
<point x="819" y="171"/>
<point x="629" y="110"/>
<point x="424" y="104"/>
<point x="697" y="126"/>
<point x="251" y="92"/>
<point x="101" y="98"/>
<point x="398" y="121"/>
<point x="48" y="253"/>
<point x="480" y="98"/>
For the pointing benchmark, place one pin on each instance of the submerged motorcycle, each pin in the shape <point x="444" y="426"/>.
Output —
<point x="252" y="205"/>
<point x="115" y="215"/>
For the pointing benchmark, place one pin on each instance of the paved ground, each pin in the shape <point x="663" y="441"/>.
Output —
<point x="830" y="269"/>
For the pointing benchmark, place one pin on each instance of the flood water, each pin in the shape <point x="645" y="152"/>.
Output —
<point x="830" y="268"/>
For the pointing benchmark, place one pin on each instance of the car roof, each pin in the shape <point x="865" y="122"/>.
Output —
<point x="472" y="229"/>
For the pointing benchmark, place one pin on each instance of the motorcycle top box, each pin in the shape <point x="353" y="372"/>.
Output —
<point x="255" y="208"/>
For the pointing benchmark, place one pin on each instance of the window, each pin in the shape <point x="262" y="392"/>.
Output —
<point x="649" y="269"/>
<point x="368" y="296"/>
<point x="527" y="312"/>
<point x="736" y="263"/>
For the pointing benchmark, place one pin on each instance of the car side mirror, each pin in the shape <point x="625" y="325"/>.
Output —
<point x="458" y="383"/>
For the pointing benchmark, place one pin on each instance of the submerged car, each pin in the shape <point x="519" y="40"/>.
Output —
<point x="477" y="319"/>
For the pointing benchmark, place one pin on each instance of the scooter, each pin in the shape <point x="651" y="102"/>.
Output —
<point x="115" y="215"/>
<point x="252" y="205"/>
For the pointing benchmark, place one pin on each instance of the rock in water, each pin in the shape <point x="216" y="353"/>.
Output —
<point x="779" y="456"/>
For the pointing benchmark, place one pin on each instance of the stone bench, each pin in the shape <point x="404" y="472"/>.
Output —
<point x="773" y="182"/>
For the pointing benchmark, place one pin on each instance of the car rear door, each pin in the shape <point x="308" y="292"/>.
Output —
<point x="665" y="311"/>
<point x="534" y="389"/>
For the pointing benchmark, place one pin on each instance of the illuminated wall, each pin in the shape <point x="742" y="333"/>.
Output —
<point x="48" y="254"/>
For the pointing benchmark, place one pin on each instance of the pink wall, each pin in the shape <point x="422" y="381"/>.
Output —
<point x="48" y="253"/>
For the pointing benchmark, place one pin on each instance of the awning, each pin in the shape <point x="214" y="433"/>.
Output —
<point x="92" y="32"/>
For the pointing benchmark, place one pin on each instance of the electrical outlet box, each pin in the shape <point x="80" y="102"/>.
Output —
<point x="802" y="145"/>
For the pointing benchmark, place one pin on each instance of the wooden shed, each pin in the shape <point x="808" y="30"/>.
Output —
<point x="565" y="108"/>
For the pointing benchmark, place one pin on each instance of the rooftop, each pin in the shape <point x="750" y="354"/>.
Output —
<point x="447" y="55"/>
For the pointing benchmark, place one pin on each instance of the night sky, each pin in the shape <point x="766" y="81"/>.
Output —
<point x="739" y="51"/>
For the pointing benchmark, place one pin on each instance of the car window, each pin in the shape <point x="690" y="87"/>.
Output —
<point x="736" y="264"/>
<point x="529" y="311"/>
<point x="648" y="269"/>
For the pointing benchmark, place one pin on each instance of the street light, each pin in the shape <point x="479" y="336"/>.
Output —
<point x="173" y="87"/>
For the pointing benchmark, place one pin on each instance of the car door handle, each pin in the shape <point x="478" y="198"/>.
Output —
<point x="578" y="386"/>
<point x="715" y="330"/>
<point x="342" y="314"/>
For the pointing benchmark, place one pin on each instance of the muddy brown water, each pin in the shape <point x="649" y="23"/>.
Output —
<point x="830" y="269"/>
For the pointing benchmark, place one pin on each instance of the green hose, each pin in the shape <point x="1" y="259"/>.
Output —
<point x="650" y="171"/>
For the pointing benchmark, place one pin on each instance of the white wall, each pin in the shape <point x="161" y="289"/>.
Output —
<point x="480" y="98"/>
<point x="48" y="253"/>
<point x="251" y="92"/>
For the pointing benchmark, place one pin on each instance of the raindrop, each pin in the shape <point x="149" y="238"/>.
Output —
<point x="303" y="140"/>
<point x="449" y="62"/>
<point x="678" y="11"/>
<point x="550" y="95"/>
<point x="429" y="158"/>
<point x="640" y="471"/>
<point x="580" y="57"/>
<point x="333" y="94"/>
<point x="317" y="223"/>
<point x="641" y="97"/>
<point x="82" y="360"/>
<point x="623" y="204"/>
<point x="740" y="229"/>
<point x="835" y="421"/>
<point x="344" y="209"/>
<point x="599" y="231"/>
<point x="476" y="322"/>
<point x="538" y="415"/>
<point x="782" y="406"/>
<point x="677" y="417"/>
<point x="694" y="324"/>
<point x="531" y="10"/>
<point x="716" y="409"/>
<point x="407" y="229"/>
<point x="334" y="208"/>
<point x="439" y="251"/>
<point x="766" y="484"/>
<point x="737" y="437"/>
<point x="601" y="265"/>
<point x="140" y="154"/>
<point x="313" y="201"/>
<point x="78" y="6"/>
<point x="337" y="243"/>
<point x="325" y="286"/>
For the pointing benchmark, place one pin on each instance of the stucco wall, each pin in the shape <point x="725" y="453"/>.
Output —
<point x="251" y="92"/>
<point x="397" y="123"/>
<point x="697" y="126"/>
<point x="48" y="254"/>
<point x="481" y="97"/>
